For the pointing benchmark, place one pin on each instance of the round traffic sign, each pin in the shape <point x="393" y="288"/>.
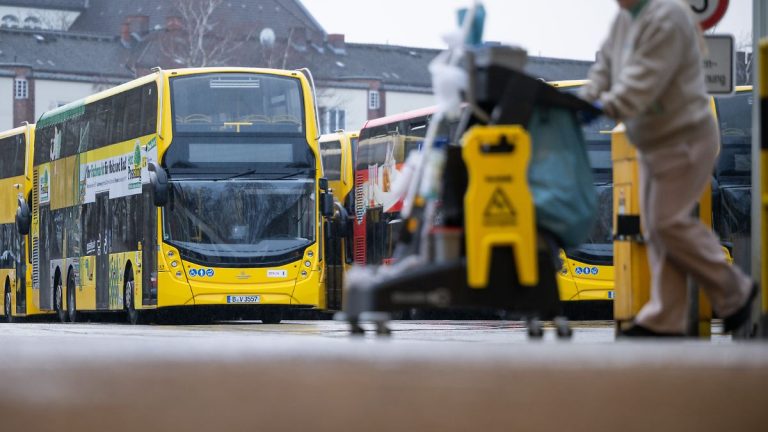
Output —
<point x="709" y="12"/>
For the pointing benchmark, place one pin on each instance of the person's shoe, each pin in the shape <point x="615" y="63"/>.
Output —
<point x="740" y="317"/>
<point x="638" y="331"/>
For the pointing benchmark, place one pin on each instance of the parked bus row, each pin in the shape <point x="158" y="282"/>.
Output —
<point x="204" y="188"/>
<point x="194" y="187"/>
<point x="586" y="277"/>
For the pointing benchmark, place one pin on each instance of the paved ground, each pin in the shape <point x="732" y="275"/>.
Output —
<point x="430" y="376"/>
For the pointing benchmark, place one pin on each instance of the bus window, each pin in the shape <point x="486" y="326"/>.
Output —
<point x="735" y="117"/>
<point x="12" y="162"/>
<point x="133" y="112"/>
<point x="331" y="154"/>
<point x="117" y="128"/>
<point x="149" y="109"/>
<point x="237" y="103"/>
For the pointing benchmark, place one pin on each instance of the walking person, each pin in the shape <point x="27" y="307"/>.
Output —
<point x="649" y="75"/>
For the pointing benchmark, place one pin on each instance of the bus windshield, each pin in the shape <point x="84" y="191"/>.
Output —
<point x="259" y="219"/>
<point x="237" y="103"/>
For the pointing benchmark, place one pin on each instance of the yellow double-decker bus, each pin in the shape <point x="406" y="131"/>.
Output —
<point x="338" y="168"/>
<point x="15" y="187"/>
<point x="194" y="187"/>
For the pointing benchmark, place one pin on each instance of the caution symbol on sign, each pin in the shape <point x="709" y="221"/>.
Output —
<point x="499" y="210"/>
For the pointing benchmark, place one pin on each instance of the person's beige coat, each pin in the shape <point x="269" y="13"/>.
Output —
<point x="648" y="74"/>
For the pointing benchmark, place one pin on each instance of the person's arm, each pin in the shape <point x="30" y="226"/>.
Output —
<point x="599" y="77"/>
<point x="650" y="68"/>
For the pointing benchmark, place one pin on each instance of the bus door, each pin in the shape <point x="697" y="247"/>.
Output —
<point x="41" y="254"/>
<point x="21" y="271"/>
<point x="148" y="248"/>
<point x="102" y="250"/>
<point x="333" y="157"/>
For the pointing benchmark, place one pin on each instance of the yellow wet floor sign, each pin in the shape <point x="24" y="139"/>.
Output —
<point x="498" y="205"/>
<point x="499" y="210"/>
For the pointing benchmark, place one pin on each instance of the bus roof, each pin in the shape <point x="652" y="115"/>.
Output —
<point x="76" y="108"/>
<point x="15" y="131"/>
<point x="401" y="116"/>
<point x="333" y="136"/>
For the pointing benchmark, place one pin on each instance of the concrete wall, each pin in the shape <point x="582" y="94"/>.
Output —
<point x="398" y="102"/>
<point x="6" y="103"/>
<point x="49" y="19"/>
<point x="353" y="101"/>
<point x="51" y="94"/>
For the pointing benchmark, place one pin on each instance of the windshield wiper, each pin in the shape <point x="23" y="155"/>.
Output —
<point x="242" y="174"/>
<point x="295" y="173"/>
<point x="255" y="170"/>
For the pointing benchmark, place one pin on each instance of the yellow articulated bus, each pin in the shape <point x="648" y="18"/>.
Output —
<point x="587" y="271"/>
<point x="194" y="187"/>
<point x="15" y="188"/>
<point x="338" y="168"/>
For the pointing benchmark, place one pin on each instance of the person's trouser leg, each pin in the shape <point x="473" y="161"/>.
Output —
<point x="672" y="180"/>
<point x="666" y="308"/>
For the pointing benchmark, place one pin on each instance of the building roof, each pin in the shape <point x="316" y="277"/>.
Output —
<point x="77" y="5"/>
<point x="63" y="54"/>
<point x="391" y="65"/>
<point x="555" y="69"/>
<point x="395" y="67"/>
<point x="407" y="67"/>
<point x="241" y="16"/>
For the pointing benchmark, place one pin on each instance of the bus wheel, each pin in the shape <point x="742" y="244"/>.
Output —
<point x="7" y="308"/>
<point x="58" y="300"/>
<point x="271" y="317"/>
<point x="71" y="305"/>
<point x="134" y="316"/>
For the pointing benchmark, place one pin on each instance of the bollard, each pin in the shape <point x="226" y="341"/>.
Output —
<point x="632" y="276"/>
<point x="763" y="178"/>
<point x="632" y="281"/>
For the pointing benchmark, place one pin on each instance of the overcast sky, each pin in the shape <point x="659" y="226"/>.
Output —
<point x="553" y="28"/>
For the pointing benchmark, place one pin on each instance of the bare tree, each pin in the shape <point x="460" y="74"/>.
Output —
<point x="744" y="44"/>
<point x="200" y="41"/>
<point x="57" y="20"/>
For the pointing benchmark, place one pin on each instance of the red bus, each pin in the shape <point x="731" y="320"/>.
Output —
<point x="381" y="150"/>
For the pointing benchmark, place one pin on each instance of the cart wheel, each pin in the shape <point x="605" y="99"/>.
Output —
<point x="382" y="329"/>
<point x="535" y="330"/>
<point x="563" y="328"/>
<point x="355" y="329"/>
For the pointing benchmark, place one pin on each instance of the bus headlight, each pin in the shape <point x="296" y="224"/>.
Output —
<point x="304" y="273"/>
<point x="307" y="263"/>
<point x="174" y="264"/>
<point x="310" y="254"/>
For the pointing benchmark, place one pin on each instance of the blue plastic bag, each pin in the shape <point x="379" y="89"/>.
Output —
<point x="560" y="176"/>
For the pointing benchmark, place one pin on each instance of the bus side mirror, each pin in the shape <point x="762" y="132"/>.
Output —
<point x="326" y="198"/>
<point x="23" y="217"/>
<point x="158" y="178"/>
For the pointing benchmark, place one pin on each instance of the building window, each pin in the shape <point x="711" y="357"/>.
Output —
<point x="21" y="88"/>
<point x="32" y="22"/>
<point x="373" y="100"/>
<point x="9" y="21"/>
<point x="332" y="120"/>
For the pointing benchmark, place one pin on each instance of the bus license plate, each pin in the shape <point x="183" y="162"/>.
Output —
<point x="244" y="299"/>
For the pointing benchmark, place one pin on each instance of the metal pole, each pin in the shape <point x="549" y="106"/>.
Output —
<point x="759" y="31"/>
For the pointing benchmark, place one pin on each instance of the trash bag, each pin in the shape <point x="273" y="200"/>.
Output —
<point x="560" y="177"/>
